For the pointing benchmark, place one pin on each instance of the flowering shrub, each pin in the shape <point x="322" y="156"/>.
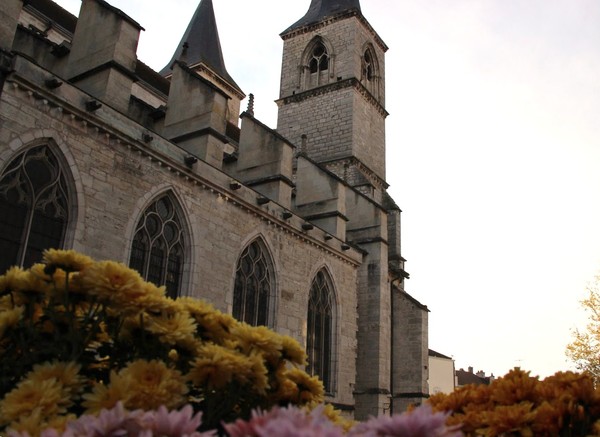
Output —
<point x="289" y="421"/>
<point x="294" y="422"/>
<point x="120" y="422"/>
<point x="79" y="336"/>
<point x="420" y="422"/>
<point x="90" y="349"/>
<point x="565" y="404"/>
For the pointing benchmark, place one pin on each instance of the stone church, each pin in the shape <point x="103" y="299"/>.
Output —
<point x="291" y="227"/>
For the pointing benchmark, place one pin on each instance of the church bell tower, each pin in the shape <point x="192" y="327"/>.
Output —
<point x="332" y="95"/>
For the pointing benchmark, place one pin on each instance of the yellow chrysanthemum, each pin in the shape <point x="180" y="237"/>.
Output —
<point x="193" y="346"/>
<point x="151" y="384"/>
<point x="217" y="366"/>
<point x="32" y="423"/>
<point x="548" y="418"/>
<point x="258" y="373"/>
<point x="18" y="280"/>
<point x="46" y="395"/>
<point x="112" y="281"/>
<point x="56" y="283"/>
<point x="67" y="260"/>
<point x="285" y="390"/>
<point x="569" y="387"/>
<point x="212" y="324"/>
<point x="67" y="374"/>
<point x="6" y="302"/>
<point x="310" y="388"/>
<point x="59" y="423"/>
<point x="292" y="351"/>
<point x="515" y="418"/>
<point x="106" y="396"/>
<point x="171" y="327"/>
<point x="10" y="318"/>
<point x="150" y="298"/>
<point x="516" y="386"/>
<point x="155" y="299"/>
<point x="258" y="339"/>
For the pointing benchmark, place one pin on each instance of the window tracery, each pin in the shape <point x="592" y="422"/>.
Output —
<point x="317" y="64"/>
<point x="254" y="286"/>
<point x="157" y="249"/>
<point x="368" y="66"/>
<point x="320" y="333"/>
<point x="370" y="72"/>
<point x="35" y="204"/>
<point x="319" y="60"/>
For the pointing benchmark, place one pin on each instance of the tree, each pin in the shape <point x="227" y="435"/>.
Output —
<point x="584" y="350"/>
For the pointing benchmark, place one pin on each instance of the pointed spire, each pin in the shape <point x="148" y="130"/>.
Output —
<point x="320" y="9"/>
<point x="200" y="44"/>
<point x="250" y="109"/>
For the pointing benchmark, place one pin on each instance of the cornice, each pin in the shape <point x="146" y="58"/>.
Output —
<point x="332" y="19"/>
<point x="332" y="87"/>
<point x="197" y="68"/>
<point x="354" y="161"/>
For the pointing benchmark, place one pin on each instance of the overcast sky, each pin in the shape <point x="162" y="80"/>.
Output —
<point x="493" y="154"/>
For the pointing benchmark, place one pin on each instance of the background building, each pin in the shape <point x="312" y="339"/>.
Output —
<point x="442" y="376"/>
<point x="465" y="377"/>
<point x="290" y="228"/>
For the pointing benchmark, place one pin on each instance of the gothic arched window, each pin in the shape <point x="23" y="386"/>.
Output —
<point x="317" y="63"/>
<point x="368" y="67"/>
<point x="320" y="330"/>
<point x="34" y="207"/>
<point x="370" y="71"/>
<point x="157" y="250"/>
<point x="319" y="60"/>
<point x="254" y="286"/>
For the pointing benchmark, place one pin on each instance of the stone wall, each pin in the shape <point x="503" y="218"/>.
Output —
<point x="347" y="38"/>
<point x="116" y="175"/>
<point x="410" y="351"/>
<point x="340" y="118"/>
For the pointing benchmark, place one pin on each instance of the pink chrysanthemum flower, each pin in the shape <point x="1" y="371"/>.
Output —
<point x="421" y="422"/>
<point x="289" y="422"/>
<point x="176" y="423"/>
<point x="118" y="422"/>
<point x="114" y="422"/>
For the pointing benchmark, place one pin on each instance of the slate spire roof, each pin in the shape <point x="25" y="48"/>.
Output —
<point x="200" y="44"/>
<point x="320" y="9"/>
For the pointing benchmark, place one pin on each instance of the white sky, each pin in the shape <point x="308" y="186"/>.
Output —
<point x="493" y="154"/>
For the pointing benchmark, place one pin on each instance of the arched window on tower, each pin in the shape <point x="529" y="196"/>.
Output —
<point x="320" y="330"/>
<point x="370" y="71"/>
<point x="34" y="207"/>
<point x="317" y="64"/>
<point x="157" y="250"/>
<point x="254" y="287"/>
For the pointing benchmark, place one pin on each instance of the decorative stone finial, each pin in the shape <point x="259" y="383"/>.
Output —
<point x="184" y="49"/>
<point x="250" y="109"/>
